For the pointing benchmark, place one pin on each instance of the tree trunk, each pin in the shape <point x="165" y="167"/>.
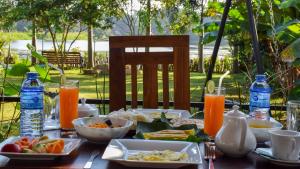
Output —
<point x="148" y="26"/>
<point x="90" y="48"/>
<point x="200" y="42"/>
<point x="200" y="55"/>
<point x="33" y="41"/>
<point x="235" y="63"/>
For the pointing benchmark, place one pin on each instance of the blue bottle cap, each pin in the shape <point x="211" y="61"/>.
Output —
<point x="32" y="75"/>
<point x="260" y="77"/>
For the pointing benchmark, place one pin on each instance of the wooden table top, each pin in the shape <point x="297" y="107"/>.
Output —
<point x="78" y="158"/>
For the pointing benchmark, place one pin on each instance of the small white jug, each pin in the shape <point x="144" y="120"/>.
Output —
<point x="235" y="137"/>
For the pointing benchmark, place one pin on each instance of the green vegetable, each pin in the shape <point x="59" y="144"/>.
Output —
<point x="47" y="141"/>
<point x="39" y="148"/>
<point x="26" y="150"/>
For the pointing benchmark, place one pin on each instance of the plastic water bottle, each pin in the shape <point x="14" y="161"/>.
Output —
<point x="260" y="93"/>
<point x="32" y="116"/>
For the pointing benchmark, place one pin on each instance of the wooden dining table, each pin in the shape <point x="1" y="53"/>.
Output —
<point x="78" y="158"/>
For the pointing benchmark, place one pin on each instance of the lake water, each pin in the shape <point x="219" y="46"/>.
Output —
<point x="20" y="47"/>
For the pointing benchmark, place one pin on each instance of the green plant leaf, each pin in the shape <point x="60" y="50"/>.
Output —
<point x="234" y="13"/>
<point x="197" y="29"/>
<point x="11" y="89"/>
<point x="18" y="106"/>
<point x="289" y="4"/>
<point x="287" y="33"/>
<point x="39" y="57"/>
<point x="19" y="69"/>
<point x="163" y="118"/>
<point x="210" y="37"/>
<point x="284" y="26"/>
<point x="43" y="72"/>
<point x="160" y="124"/>
<point x="292" y="52"/>
<point x="30" y="47"/>
<point x="294" y="93"/>
<point x="296" y="63"/>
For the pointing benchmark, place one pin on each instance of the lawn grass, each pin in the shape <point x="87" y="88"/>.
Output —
<point x="88" y="86"/>
<point x="88" y="90"/>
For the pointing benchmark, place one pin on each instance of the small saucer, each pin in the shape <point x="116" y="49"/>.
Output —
<point x="3" y="160"/>
<point x="267" y="153"/>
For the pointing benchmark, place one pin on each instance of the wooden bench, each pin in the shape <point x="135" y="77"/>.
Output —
<point x="72" y="59"/>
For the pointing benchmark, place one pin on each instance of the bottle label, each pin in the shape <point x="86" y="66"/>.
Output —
<point x="260" y="100"/>
<point x="31" y="100"/>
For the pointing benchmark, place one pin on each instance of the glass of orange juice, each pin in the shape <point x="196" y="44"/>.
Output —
<point x="68" y="102"/>
<point x="213" y="111"/>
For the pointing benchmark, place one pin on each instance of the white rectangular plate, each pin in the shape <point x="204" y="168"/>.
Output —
<point x="119" y="149"/>
<point x="180" y="113"/>
<point x="70" y="145"/>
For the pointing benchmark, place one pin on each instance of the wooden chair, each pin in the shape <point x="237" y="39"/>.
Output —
<point x="119" y="58"/>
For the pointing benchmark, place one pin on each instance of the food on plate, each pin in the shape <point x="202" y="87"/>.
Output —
<point x="166" y="155"/>
<point x="13" y="148"/>
<point x="181" y="121"/>
<point x="260" y="126"/>
<point x="169" y="134"/>
<point x="35" y="145"/>
<point x="55" y="147"/>
<point x="131" y="115"/>
<point x="98" y="125"/>
<point x="157" y="115"/>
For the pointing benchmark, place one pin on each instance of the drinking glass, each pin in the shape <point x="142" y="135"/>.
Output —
<point x="293" y="115"/>
<point x="213" y="111"/>
<point x="51" y="111"/>
<point x="68" y="93"/>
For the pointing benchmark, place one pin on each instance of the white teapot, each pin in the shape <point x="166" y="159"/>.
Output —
<point x="87" y="110"/>
<point x="235" y="137"/>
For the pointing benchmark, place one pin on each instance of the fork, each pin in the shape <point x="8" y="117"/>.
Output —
<point x="89" y="163"/>
<point x="210" y="153"/>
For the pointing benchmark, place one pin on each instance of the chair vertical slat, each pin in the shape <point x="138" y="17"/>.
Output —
<point x="150" y="61"/>
<point x="181" y="78"/>
<point x="150" y="95"/>
<point x="165" y="79"/>
<point x="134" y="102"/>
<point x="117" y="83"/>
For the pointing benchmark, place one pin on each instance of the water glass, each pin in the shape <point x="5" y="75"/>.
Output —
<point x="51" y="106"/>
<point x="68" y="103"/>
<point x="293" y="115"/>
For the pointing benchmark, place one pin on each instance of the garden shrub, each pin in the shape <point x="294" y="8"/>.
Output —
<point x="221" y="66"/>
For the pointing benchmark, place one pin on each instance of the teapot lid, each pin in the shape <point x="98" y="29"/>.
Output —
<point x="83" y="107"/>
<point x="235" y="112"/>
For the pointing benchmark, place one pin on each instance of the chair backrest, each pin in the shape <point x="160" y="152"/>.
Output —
<point x="119" y="58"/>
<point x="70" y="57"/>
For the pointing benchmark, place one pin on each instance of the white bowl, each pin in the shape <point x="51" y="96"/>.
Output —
<point x="261" y="132"/>
<point x="101" y="134"/>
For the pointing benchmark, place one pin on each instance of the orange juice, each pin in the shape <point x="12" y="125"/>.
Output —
<point x="68" y="106"/>
<point x="213" y="113"/>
